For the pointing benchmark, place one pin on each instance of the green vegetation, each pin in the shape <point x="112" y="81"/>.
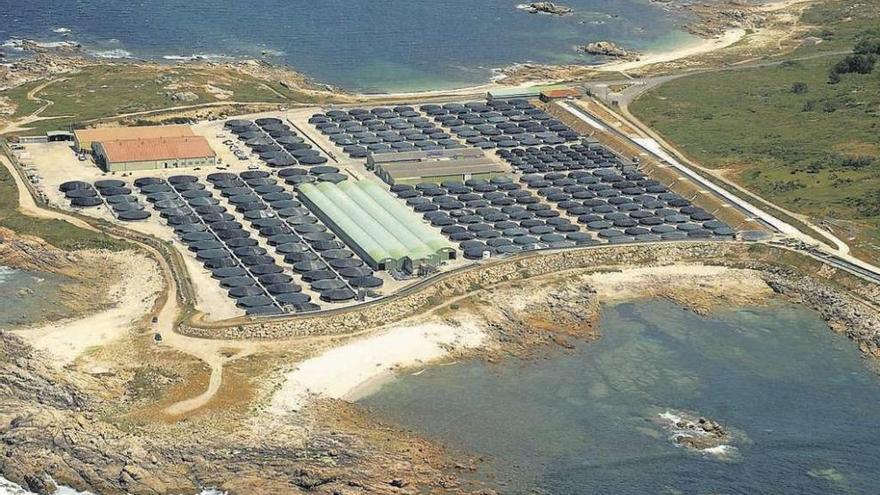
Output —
<point x="56" y="232"/>
<point x="839" y="23"/>
<point x="787" y="132"/>
<point x="104" y="91"/>
<point x="18" y="95"/>
<point x="861" y="61"/>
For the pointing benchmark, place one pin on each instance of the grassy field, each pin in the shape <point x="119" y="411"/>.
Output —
<point x="786" y="133"/>
<point x="105" y="91"/>
<point x="18" y="95"/>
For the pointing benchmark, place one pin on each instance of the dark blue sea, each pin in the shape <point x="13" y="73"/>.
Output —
<point x="367" y="45"/>
<point x="803" y="404"/>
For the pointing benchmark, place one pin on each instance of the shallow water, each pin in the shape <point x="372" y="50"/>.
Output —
<point x="379" y="45"/>
<point x="805" y="406"/>
<point x="25" y="295"/>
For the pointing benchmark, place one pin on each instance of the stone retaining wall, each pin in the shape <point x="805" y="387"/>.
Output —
<point x="444" y="287"/>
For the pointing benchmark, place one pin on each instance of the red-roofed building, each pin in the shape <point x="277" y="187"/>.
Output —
<point x="126" y="155"/>
<point x="560" y="94"/>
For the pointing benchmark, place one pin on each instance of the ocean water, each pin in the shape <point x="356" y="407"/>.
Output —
<point x="25" y="295"/>
<point x="804" y="406"/>
<point x="377" y="45"/>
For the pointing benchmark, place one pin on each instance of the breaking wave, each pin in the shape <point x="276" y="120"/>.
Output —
<point x="115" y="53"/>
<point x="9" y="488"/>
<point x="197" y="57"/>
<point x="19" y="43"/>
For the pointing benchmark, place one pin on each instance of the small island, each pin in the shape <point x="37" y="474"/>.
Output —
<point x="547" y="8"/>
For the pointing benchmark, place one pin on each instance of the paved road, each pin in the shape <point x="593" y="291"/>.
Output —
<point x="638" y="86"/>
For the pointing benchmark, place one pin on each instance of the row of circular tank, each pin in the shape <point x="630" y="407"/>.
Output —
<point x="313" y="251"/>
<point x="359" y="132"/>
<point x="494" y="217"/>
<point x="625" y="207"/>
<point x="295" y="176"/>
<point x="253" y="279"/>
<point x="275" y="143"/>
<point x="500" y="124"/>
<point x="562" y="157"/>
<point x="113" y="192"/>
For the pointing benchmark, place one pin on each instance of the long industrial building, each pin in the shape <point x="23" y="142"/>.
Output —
<point x="383" y="232"/>
<point x="412" y="167"/>
<point x="84" y="139"/>
<point x="153" y="154"/>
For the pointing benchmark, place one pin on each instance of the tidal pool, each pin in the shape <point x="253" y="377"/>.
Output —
<point x="24" y="296"/>
<point x="803" y="403"/>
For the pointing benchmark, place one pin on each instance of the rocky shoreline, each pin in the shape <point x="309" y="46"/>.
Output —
<point x="43" y="63"/>
<point x="90" y="431"/>
<point x="713" y="19"/>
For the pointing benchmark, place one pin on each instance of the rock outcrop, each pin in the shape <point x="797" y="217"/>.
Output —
<point x="843" y="313"/>
<point x="547" y="8"/>
<point x="31" y="253"/>
<point x="694" y="432"/>
<point x="608" y="49"/>
<point x="56" y="428"/>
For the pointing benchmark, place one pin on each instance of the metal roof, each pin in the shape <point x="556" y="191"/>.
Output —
<point x="412" y="156"/>
<point x="410" y="170"/>
<point x="381" y="226"/>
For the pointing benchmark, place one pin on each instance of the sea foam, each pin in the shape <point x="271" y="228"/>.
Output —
<point x="115" y="53"/>
<point x="9" y="488"/>
<point x="18" y="44"/>
<point x="196" y="57"/>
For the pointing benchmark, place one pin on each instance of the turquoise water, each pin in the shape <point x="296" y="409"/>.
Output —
<point x="804" y="405"/>
<point x="25" y="295"/>
<point x="377" y="45"/>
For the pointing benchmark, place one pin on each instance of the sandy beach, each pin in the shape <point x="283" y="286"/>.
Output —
<point x="352" y="369"/>
<point x="132" y="297"/>
<point x="699" y="47"/>
<point x="357" y="368"/>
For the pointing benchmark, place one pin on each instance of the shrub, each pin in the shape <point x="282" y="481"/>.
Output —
<point x="858" y="63"/>
<point x="833" y="77"/>
<point x="799" y="88"/>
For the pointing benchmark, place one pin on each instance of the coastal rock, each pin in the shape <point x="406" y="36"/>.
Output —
<point x="547" y="8"/>
<point x="183" y="96"/>
<point x="608" y="49"/>
<point x="30" y="253"/>
<point x="694" y="433"/>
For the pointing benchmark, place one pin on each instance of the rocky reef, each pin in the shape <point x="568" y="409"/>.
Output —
<point x="700" y="434"/>
<point x="547" y="8"/>
<point x="696" y="433"/>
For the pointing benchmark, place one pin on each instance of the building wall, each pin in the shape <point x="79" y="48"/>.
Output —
<point x="102" y="161"/>
<point x="437" y="179"/>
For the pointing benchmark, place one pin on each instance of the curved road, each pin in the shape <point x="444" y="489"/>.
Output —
<point x="211" y="352"/>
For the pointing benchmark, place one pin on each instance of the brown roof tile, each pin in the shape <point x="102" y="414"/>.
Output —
<point x="171" y="148"/>
<point x="119" y="133"/>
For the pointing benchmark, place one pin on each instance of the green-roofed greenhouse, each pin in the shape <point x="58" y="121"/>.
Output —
<point x="380" y="229"/>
